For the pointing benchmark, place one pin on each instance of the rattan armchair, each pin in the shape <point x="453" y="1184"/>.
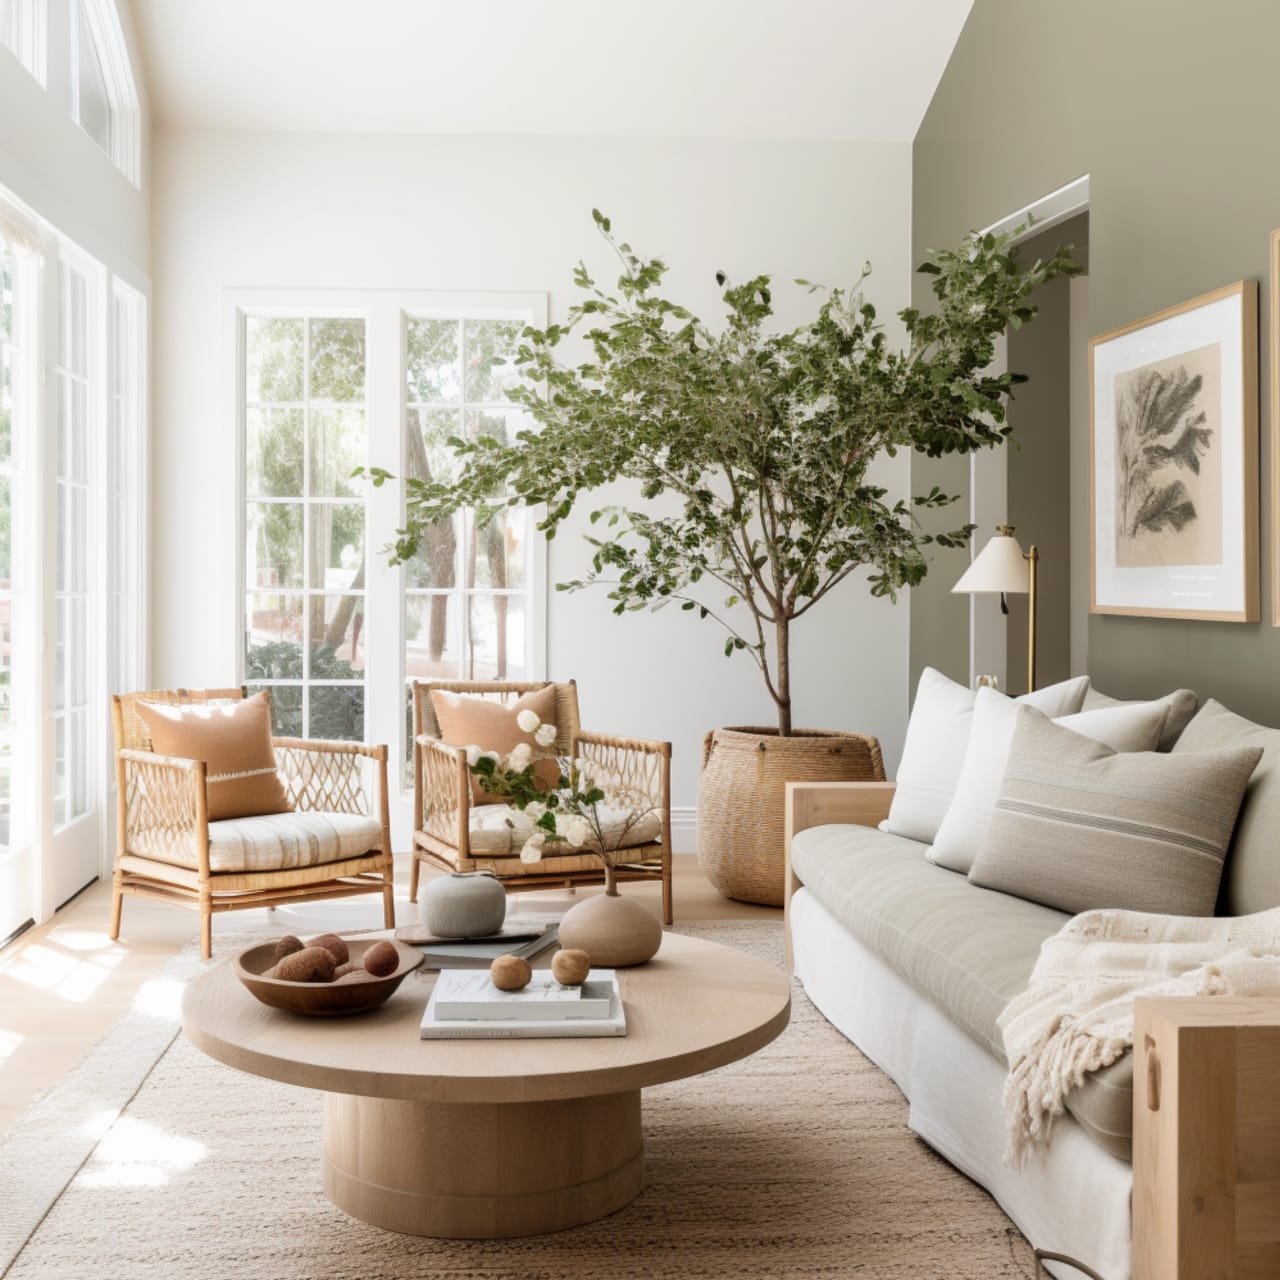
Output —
<point x="446" y="835"/>
<point x="164" y="837"/>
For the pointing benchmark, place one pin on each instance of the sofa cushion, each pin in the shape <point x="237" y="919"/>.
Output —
<point x="937" y="735"/>
<point x="1251" y="881"/>
<point x="1182" y="705"/>
<point x="964" y="829"/>
<point x="269" y="842"/>
<point x="1079" y="826"/>
<point x="967" y="950"/>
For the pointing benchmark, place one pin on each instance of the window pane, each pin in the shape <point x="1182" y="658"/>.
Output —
<point x="6" y="355"/>
<point x="502" y="424"/>
<point x="337" y="713"/>
<point x="273" y="453"/>
<point x="337" y="359"/>
<point x="497" y="550"/>
<point x="273" y="544"/>
<point x="433" y="360"/>
<point x="95" y="105"/>
<point x="286" y="709"/>
<point x="490" y="351"/>
<point x="427" y="453"/>
<point x="436" y="564"/>
<point x="273" y="359"/>
<point x="273" y="640"/>
<point x="337" y="448"/>
<point x="497" y="642"/>
<point x="432" y="640"/>
<point x="337" y="545"/>
<point x="337" y="637"/>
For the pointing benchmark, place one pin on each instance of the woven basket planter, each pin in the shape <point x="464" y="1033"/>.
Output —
<point x="742" y="799"/>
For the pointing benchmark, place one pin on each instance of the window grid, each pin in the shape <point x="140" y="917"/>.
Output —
<point x="10" y="489"/>
<point x="294" y="708"/>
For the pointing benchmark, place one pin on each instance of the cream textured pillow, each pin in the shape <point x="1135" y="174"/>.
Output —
<point x="1079" y="826"/>
<point x="933" y="754"/>
<point x="1182" y="704"/>
<point x="483" y="723"/>
<point x="234" y="741"/>
<point x="963" y="830"/>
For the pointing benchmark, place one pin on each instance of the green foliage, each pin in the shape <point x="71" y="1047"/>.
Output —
<point x="751" y="446"/>
<point x="337" y="712"/>
<point x="1158" y="426"/>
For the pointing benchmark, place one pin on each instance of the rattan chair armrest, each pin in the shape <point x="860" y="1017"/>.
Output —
<point x="179" y="763"/>
<point x="445" y="788"/>
<point x="329" y="777"/>
<point x="164" y="805"/>
<point x="323" y="746"/>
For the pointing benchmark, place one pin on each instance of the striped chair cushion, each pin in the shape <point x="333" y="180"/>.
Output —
<point x="273" y="842"/>
<point x="1078" y="826"/>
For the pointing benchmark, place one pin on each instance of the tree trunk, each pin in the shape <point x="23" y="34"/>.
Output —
<point x="439" y="546"/>
<point x="337" y="629"/>
<point x="782" y="684"/>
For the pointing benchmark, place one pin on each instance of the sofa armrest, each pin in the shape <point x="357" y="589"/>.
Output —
<point x="818" y="804"/>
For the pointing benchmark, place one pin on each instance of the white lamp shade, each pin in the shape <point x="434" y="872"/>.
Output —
<point x="999" y="566"/>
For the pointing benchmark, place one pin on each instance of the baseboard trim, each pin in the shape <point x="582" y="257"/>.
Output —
<point x="684" y="829"/>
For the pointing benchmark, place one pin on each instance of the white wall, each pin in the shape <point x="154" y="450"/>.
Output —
<point x="53" y="166"/>
<point x="289" y="210"/>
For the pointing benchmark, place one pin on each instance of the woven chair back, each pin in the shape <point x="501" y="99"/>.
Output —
<point x="505" y="692"/>
<point x="130" y="729"/>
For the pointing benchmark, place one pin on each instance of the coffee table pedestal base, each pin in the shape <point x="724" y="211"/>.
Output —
<point x="480" y="1171"/>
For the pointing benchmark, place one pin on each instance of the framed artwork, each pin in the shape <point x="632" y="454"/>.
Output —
<point x="1174" y="461"/>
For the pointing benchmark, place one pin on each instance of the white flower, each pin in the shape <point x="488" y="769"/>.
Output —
<point x="574" y="830"/>
<point x="532" y="851"/>
<point x="521" y="757"/>
<point x="545" y="735"/>
<point x="528" y="721"/>
<point x="473" y="754"/>
<point x="535" y="809"/>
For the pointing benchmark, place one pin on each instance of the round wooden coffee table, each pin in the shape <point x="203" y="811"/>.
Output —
<point x="479" y="1139"/>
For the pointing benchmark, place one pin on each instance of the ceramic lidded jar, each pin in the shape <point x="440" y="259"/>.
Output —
<point x="464" y="904"/>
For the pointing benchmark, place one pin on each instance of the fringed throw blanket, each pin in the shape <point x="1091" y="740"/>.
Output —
<point x="1077" y="1014"/>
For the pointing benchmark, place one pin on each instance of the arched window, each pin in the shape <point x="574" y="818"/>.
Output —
<point x="104" y="98"/>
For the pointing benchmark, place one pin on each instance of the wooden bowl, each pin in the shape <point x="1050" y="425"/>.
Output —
<point x="322" y="999"/>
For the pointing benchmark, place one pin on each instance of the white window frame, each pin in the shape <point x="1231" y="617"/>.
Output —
<point x="386" y="400"/>
<point x="107" y="37"/>
<point x="32" y="38"/>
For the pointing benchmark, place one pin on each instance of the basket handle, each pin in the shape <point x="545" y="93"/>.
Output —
<point x="707" y="743"/>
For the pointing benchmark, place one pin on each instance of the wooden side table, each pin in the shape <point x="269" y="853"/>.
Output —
<point x="1206" y="1139"/>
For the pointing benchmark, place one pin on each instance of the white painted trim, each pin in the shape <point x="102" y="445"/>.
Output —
<point x="108" y="40"/>
<point x="1047" y="211"/>
<point x="684" y="829"/>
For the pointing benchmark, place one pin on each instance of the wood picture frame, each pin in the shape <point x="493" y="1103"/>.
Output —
<point x="1273" y="362"/>
<point x="1173" y="461"/>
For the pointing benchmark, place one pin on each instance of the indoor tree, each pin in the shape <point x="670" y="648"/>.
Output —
<point x="750" y="446"/>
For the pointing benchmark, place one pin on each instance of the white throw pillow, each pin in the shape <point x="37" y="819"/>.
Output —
<point x="1182" y="704"/>
<point x="934" y="751"/>
<point x="963" y="830"/>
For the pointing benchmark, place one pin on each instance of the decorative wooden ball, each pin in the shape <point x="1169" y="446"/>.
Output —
<point x="510" y="973"/>
<point x="381" y="959"/>
<point x="287" y="946"/>
<point x="570" y="967"/>
<point x="334" y="945"/>
<point x="311" y="964"/>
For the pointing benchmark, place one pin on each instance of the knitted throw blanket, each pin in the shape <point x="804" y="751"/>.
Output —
<point x="1077" y="1014"/>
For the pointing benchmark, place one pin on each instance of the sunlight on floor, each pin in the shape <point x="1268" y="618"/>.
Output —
<point x="137" y="1154"/>
<point x="160" y="997"/>
<point x="61" y="974"/>
<point x="9" y="1041"/>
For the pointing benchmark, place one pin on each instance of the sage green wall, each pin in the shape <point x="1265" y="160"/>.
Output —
<point x="1169" y="107"/>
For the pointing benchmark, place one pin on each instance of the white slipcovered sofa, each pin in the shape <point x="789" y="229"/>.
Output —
<point x="914" y="963"/>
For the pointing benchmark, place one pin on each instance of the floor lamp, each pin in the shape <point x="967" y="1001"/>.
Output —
<point x="1002" y="567"/>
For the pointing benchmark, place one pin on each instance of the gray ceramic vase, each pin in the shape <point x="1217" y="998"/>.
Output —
<point x="464" y="904"/>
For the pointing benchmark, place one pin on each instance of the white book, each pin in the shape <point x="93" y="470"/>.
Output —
<point x="434" y="1028"/>
<point x="470" y="993"/>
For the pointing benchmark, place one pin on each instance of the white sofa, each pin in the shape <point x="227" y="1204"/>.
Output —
<point x="913" y="963"/>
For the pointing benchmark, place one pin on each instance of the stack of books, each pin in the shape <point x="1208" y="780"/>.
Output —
<point x="523" y="936"/>
<point x="466" y="1005"/>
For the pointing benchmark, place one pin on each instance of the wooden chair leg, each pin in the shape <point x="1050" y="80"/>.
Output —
<point x="413" y="876"/>
<point x="668" y="911"/>
<point x="117" y="904"/>
<point x="389" y="895"/>
<point x="206" y="930"/>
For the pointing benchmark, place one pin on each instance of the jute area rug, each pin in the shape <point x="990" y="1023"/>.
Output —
<point x="794" y="1163"/>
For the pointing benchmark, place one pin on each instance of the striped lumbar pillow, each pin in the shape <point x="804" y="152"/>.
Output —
<point x="1079" y="826"/>
<point x="234" y="741"/>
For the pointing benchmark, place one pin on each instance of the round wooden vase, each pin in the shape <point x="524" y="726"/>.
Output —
<point x="742" y="797"/>
<point x="614" y="931"/>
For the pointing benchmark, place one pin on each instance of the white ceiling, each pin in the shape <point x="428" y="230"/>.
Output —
<point x="666" y="68"/>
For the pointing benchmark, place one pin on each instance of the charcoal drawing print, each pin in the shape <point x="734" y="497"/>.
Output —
<point x="1169" y="461"/>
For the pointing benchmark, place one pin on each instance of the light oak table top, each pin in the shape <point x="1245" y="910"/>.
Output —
<point x="695" y="1006"/>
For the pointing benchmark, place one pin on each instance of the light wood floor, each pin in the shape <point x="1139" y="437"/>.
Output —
<point x="62" y="985"/>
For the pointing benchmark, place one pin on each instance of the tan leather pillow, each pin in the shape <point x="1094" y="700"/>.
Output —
<point x="481" y="722"/>
<point x="234" y="741"/>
